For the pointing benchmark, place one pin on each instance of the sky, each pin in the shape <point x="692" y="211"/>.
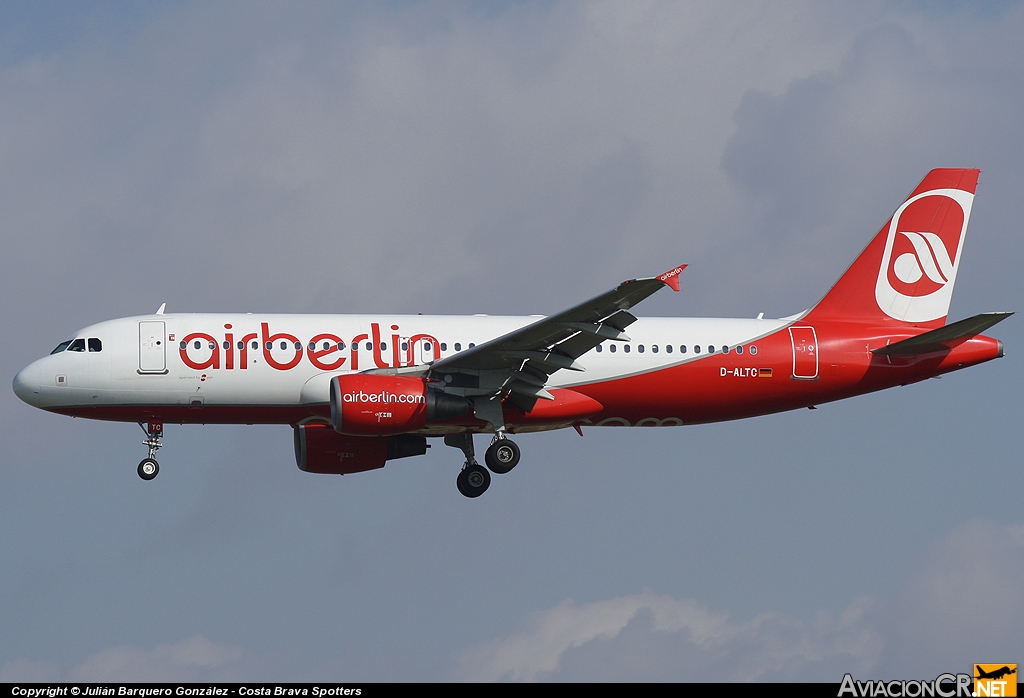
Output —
<point x="506" y="158"/>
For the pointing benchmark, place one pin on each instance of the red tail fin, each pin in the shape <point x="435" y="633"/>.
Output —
<point x="906" y="273"/>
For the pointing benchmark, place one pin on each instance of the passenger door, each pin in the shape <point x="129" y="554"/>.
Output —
<point x="805" y="353"/>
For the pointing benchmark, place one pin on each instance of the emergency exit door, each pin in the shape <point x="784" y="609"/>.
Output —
<point x="152" y="348"/>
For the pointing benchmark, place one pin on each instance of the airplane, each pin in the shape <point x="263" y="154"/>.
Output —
<point x="995" y="674"/>
<point x="360" y="390"/>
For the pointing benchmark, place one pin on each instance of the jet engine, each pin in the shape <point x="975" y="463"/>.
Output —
<point x="368" y="404"/>
<point x="320" y="449"/>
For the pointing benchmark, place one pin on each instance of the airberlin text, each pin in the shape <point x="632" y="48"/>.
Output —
<point x="382" y="396"/>
<point x="324" y="351"/>
<point x="945" y="686"/>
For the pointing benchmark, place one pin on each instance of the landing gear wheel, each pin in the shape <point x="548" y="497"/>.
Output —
<point x="502" y="456"/>
<point x="473" y="481"/>
<point x="148" y="469"/>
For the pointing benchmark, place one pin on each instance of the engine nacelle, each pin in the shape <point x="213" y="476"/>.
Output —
<point x="366" y="404"/>
<point x="320" y="449"/>
<point x="369" y="404"/>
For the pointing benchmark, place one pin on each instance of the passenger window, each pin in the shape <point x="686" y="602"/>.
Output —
<point x="61" y="347"/>
<point x="383" y="346"/>
<point x="369" y="346"/>
<point x="298" y="346"/>
<point x="270" y="345"/>
<point x="213" y="345"/>
<point x="183" y="345"/>
<point x="341" y="346"/>
<point x="739" y="348"/>
<point x="613" y="348"/>
<point x="753" y="349"/>
<point x="599" y="349"/>
<point x="696" y="348"/>
<point x="682" y="348"/>
<point x="256" y="345"/>
<point x="668" y="348"/>
<point x="640" y="348"/>
<point x="654" y="348"/>
<point x="725" y="349"/>
<point x="241" y="346"/>
<point x="405" y="346"/>
<point x="458" y="346"/>
<point x="227" y="345"/>
<point x="444" y="346"/>
<point x="95" y="344"/>
<point x="428" y="348"/>
<point x="198" y="344"/>
<point x="471" y="345"/>
<point x="711" y="348"/>
<point x="625" y="348"/>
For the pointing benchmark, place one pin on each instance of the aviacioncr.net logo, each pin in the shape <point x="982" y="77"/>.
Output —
<point x="922" y="254"/>
<point x="943" y="686"/>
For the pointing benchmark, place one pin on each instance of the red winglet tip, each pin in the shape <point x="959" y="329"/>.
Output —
<point x="671" y="277"/>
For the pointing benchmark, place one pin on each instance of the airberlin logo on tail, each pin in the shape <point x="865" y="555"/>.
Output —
<point x="922" y="253"/>
<point x="929" y="258"/>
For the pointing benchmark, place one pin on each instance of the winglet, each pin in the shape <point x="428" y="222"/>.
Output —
<point x="671" y="277"/>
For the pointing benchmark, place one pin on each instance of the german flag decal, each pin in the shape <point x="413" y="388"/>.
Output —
<point x="764" y="373"/>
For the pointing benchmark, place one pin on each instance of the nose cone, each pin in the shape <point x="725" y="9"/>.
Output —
<point x="26" y="384"/>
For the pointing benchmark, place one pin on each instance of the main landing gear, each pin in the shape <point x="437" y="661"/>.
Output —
<point x="149" y="468"/>
<point x="502" y="455"/>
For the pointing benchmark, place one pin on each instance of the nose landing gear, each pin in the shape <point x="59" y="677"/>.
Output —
<point x="149" y="468"/>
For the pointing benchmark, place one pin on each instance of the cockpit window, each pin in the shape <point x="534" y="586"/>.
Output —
<point x="77" y="345"/>
<point x="61" y="347"/>
<point x="95" y="344"/>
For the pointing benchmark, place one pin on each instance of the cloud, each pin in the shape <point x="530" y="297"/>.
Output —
<point x="903" y="101"/>
<point x="962" y="602"/>
<point x="26" y="670"/>
<point x="194" y="659"/>
<point x="648" y="637"/>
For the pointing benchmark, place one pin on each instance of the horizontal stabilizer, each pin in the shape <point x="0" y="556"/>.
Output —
<point x="942" y="338"/>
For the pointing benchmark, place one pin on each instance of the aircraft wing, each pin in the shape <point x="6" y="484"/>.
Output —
<point x="519" y="363"/>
